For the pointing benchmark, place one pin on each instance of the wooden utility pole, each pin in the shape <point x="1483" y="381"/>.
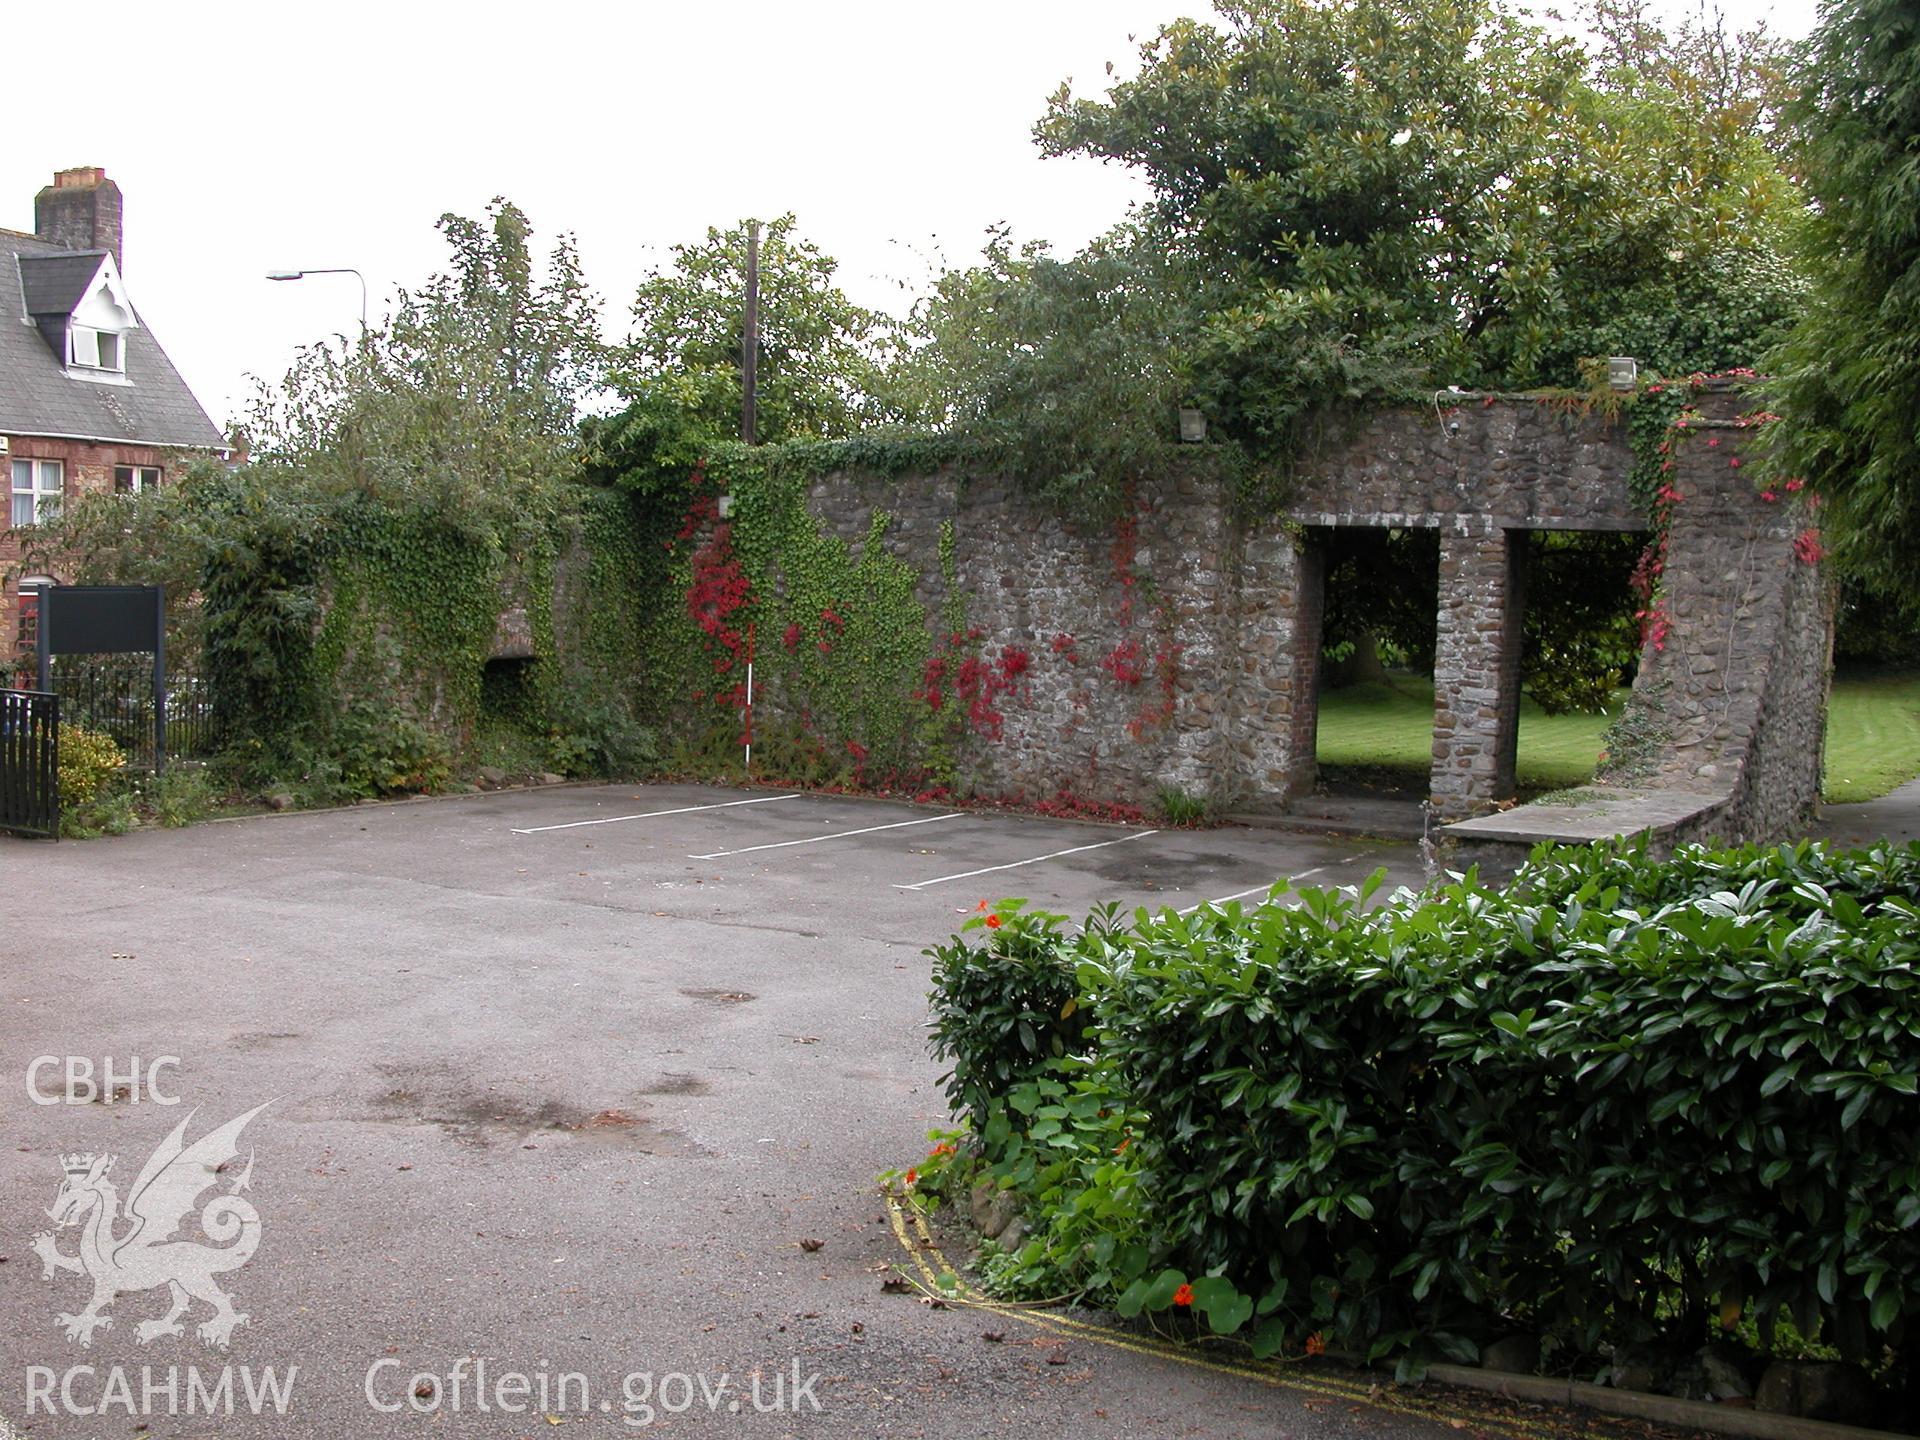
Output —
<point x="750" y="340"/>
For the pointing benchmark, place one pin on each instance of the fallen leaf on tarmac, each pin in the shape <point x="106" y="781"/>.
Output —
<point x="933" y="1302"/>
<point x="993" y="1336"/>
<point x="1056" y="1357"/>
<point x="1458" y="1424"/>
<point x="858" y="1328"/>
<point x="895" y="1285"/>
<point x="811" y="1245"/>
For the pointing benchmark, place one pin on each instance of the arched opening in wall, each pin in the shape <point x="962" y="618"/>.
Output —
<point x="1580" y="648"/>
<point x="1374" y="731"/>
<point x="507" y="693"/>
<point x="511" y="731"/>
<point x="1468" y="663"/>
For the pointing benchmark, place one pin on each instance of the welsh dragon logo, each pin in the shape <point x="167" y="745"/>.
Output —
<point x="124" y="1252"/>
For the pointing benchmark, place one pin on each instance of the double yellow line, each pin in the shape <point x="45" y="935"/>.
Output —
<point x="944" y="1283"/>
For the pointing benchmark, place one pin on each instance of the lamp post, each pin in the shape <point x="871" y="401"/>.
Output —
<point x="335" y="270"/>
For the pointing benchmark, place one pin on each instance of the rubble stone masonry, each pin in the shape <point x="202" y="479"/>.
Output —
<point x="1180" y="648"/>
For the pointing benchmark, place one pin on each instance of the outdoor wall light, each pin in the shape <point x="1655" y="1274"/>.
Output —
<point x="1623" y="372"/>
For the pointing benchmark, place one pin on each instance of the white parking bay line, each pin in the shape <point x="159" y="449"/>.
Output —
<point x="1016" y="864"/>
<point x="1263" y="889"/>
<point x="651" y="814"/>
<point x="836" y="835"/>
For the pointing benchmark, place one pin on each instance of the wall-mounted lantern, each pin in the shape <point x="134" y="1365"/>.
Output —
<point x="1623" y="372"/>
<point x="1193" y="426"/>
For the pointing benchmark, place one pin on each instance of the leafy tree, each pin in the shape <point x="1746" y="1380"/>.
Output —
<point x="1385" y="194"/>
<point x="1068" y="371"/>
<point x="435" y="452"/>
<point x="1700" y="58"/>
<point x="1368" y="621"/>
<point x="823" y="361"/>
<point x="1379" y="197"/>
<point x="1581" y="640"/>
<point x="469" y="394"/>
<point x="1848" y="386"/>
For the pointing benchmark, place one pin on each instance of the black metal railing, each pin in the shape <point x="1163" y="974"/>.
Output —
<point x="113" y="695"/>
<point x="30" y="763"/>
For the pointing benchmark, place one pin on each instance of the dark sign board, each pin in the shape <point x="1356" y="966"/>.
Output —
<point x="109" y="620"/>
<point x="101" y="619"/>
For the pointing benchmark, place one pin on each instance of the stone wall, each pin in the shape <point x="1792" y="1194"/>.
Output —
<point x="1180" y="649"/>
<point x="1472" y="463"/>
<point x="1736" y="697"/>
<point x="1126" y="686"/>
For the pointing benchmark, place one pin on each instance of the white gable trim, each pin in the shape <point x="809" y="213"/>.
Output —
<point x="104" y="305"/>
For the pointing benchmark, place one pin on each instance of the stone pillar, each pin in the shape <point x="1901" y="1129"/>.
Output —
<point x="1476" y="670"/>
<point x="1272" y="654"/>
<point x="1310" y="609"/>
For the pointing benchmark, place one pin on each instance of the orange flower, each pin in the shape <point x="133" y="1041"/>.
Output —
<point x="913" y="1178"/>
<point x="1184" y="1295"/>
<point x="993" y="922"/>
<point x="1121" y="1148"/>
<point x="981" y="906"/>
<point x="943" y="1148"/>
<point x="1316" y="1345"/>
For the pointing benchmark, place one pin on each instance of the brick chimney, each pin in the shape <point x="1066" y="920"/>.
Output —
<point x="80" y="210"/>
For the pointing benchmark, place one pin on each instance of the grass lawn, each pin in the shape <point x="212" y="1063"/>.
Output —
<point x="1383" y="734"/>
<point x="1873" y="735"/>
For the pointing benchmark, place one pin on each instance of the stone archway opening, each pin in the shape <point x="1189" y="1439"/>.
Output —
<point x="1372" y="695"/>
<point x="1439" y="651"/>
<point x="1580" y="651"/>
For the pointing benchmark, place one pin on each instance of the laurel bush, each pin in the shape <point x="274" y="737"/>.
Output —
<point x="1623" y="1101"/>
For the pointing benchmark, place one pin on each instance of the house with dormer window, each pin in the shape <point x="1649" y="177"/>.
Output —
<point x="89" y="402"/>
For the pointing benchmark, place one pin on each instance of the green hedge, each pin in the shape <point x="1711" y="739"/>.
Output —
<point x="1620" y="1102"/>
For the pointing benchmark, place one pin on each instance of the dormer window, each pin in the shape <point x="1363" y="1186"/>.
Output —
<point x="93" y="349"/>
<point x="80" y="305"/>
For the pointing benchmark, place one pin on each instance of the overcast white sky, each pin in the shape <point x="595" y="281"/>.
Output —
<point x="256" y="137"/>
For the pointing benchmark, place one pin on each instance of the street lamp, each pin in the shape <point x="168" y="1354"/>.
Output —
<point x="342" y="270"/>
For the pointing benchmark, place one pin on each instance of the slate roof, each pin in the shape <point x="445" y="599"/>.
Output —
<point x="53" y="284"/>
<point x="38" y="397"/>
